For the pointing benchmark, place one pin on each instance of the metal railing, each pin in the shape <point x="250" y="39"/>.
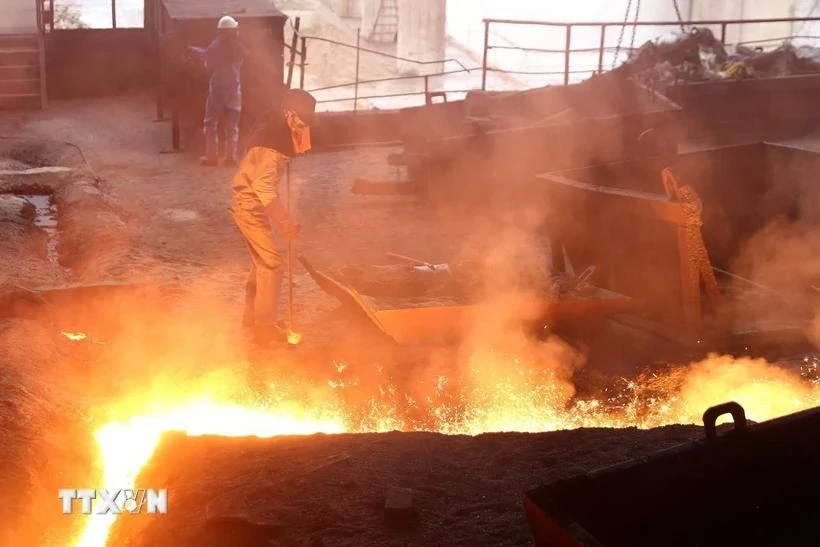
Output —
<point x="298" y="48"/>
<point x="301" y="53"/>
<point x="567" y="51"/>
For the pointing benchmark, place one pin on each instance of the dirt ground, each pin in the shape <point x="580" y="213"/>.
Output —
<point x="130" y="215"/>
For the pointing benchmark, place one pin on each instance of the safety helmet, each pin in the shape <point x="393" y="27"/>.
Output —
<point x="227" y="22"/>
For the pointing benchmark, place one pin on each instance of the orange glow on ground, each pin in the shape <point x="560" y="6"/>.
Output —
<point x="294" y="337"/>
<point x="125" y="447"/>
<point x="513" y="397"/>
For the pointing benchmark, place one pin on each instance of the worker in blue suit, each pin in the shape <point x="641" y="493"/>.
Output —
<point x="224" y="59"/>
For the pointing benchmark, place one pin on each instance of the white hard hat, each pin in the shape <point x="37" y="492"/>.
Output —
<point x="227" y="22"/>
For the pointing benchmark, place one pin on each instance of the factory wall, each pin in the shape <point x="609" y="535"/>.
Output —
<point x="370" y="14"/>
<point x="422" y="34"/>
<point x="755" y="34"/>
<point x="346" y="8"/>
<point x="807" y="8"/>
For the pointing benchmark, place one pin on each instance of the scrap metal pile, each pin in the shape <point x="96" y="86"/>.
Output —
<point x="699" y="56"/>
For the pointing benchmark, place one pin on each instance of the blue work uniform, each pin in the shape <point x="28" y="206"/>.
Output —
<point x="224" y="59"/>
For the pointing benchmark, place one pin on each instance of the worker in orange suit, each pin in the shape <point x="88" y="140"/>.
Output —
<point x="257" y="207"/>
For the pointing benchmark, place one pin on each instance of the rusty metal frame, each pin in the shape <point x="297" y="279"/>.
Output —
<point x="651" y="206"/>
<point x="636" y="202"/>
<point x="436" y="324"/>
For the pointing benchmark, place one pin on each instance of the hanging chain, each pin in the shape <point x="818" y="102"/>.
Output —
<point x="698" y="270"/>
<point x="634" y="27"/>
<point x="680" y="17"/>
<point x="621" y="35"/>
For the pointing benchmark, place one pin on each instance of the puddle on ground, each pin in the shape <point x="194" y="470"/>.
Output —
<point x="45" y="218"/>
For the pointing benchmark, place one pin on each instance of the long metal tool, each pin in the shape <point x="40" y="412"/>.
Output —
<point x="290" y="260"/>
<point x="293" y="336"/>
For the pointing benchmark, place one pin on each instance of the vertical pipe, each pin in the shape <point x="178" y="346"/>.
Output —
<point x="421" y="35"/>
<point x="427" y="89"/>
<point x="356" y="82"/>
<point x="601" y="48"/>
<point x="303" y="63"/>
<point x="157" y="38"/>
<point x="567" y="46"/>
<point x="486" y="50"/>
<point x="160" y="106"/>
<point x="113" y="13"/>
<point x="161" y="87"/>
<point x="50" y="15"/>
<point x="723" y="33"/>
<point x="41" y="46"/>
<point x="175" y="126"/>
<point x="294" y="42"/>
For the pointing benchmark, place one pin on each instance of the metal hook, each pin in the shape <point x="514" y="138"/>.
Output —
<point x="713" y="413"/>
